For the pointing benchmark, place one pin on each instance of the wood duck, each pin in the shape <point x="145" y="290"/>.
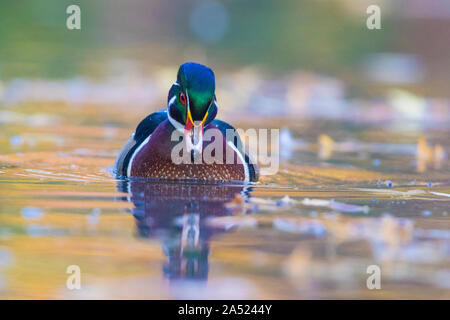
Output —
<point x="191" y="111"/>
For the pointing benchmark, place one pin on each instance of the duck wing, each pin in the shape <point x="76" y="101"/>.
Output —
<point x="144" y="129"/>
<point x="253" y="173"/>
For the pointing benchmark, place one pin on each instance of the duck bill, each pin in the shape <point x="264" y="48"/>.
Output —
<point x="193" y="134"/>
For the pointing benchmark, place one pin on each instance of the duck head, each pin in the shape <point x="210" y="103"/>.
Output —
<point x="192" y="103"/>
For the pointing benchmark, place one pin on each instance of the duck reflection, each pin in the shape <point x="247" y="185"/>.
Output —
<point x="177" y="215"/>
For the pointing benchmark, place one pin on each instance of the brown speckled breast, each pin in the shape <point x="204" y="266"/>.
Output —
<point x="153" y="160"/>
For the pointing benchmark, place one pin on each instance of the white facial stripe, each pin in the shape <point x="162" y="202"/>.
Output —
<point x="171" y="101"/>
<point x="187" y="96"/>
<point x="174" y="122"/>
<point x="241" y="157"/>
<point x="135" y="153"/>
<point x="194" y="141"/>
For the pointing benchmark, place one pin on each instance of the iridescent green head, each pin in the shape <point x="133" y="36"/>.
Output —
<point x="192" y="100"/>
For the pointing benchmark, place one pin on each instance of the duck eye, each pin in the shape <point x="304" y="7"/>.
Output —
<point x="183" y="98"/>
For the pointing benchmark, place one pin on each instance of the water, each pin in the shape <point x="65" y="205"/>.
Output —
<point x="349" y="194"/>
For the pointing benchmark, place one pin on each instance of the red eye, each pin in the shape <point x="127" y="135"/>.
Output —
<point x="183" y="98"/>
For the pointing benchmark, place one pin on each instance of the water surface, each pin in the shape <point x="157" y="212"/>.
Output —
<point x="348" y="195"/>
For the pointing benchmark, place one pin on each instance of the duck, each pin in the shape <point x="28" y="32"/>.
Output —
<point x="180" y="131"/>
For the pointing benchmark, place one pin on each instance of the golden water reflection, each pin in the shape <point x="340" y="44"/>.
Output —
<point x="310" y="231"/>
<point x="176" y="214"/>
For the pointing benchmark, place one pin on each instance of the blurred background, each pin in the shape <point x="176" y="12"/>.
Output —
<point x="326" y="37"/>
